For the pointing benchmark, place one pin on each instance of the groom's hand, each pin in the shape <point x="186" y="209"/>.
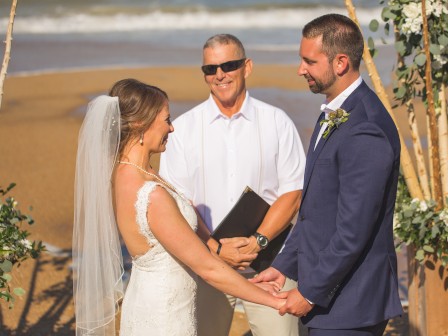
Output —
<point x="295" y="304"/>
<point x="232" y="255"/>
<point x="270" y="275"/>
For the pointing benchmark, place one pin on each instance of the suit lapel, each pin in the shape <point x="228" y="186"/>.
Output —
<point x="311" y="155"/>
<point x="348" y="105"/>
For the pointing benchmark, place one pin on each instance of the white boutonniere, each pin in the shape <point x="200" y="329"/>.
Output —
<point x="335" y="118"/>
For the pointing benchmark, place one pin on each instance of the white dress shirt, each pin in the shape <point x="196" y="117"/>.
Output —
<point x="211" y="158"/>
<point x="335" y="104"/>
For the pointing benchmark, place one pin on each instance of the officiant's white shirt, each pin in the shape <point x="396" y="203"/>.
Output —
<point x="211" y="158"/>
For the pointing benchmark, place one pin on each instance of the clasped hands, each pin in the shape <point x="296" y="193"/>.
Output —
<point x="239" y="252"/>
<point x="272" y="281"/>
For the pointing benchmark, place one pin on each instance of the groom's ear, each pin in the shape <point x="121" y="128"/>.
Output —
<point x="341" y="64"/>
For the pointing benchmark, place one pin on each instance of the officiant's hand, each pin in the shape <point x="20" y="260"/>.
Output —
<point x="232" y="255"/>
<point x="252" y="247"/>
<point x="295" y="304"/>
<point x="270" y="275"/>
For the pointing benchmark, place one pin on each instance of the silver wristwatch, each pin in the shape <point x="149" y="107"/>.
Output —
<point x="262" y="240"/>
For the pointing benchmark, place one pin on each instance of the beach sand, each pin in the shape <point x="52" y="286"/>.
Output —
<point x="39" y="121"/>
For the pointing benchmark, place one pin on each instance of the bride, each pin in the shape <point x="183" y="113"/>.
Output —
<point x="116" y="187"/>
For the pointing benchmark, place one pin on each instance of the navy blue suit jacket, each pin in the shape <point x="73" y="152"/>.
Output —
<point x="341" y="251"/>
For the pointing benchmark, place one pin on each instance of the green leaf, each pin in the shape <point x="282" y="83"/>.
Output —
<point x="420" y="59"/>
<point x="373" y="52"/>
<point x="371" y="43"/>
<point x="400" y="47"/>
<point x="428" y="249"/>
<point x="373" y="26"/>
<point x="420" y="255"/>
<point x="387" y="28"/>
<point x="443" y="40"/>
<point x="434" y="49"/>
<point x="7" y="277"/>
<point x="12" y="185"/>
<point x="19" y="291"/>
<point x="387" y="15"/>
<point x="6" y="266"/>
<point x="400" y="94"/>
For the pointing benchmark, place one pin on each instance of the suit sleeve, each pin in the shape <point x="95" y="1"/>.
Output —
<point x="365" y="161"/>
<point x="286" y="260"/>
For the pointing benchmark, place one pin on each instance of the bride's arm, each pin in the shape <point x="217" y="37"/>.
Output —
<point x="173" y="232"/>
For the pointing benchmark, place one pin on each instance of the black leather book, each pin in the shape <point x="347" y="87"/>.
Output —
<point x="244" y="219"/>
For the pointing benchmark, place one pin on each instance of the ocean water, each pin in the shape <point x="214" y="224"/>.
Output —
<point x="51" y="35"/>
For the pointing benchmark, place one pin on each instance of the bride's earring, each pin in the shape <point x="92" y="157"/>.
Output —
<point x="141" y="139"/>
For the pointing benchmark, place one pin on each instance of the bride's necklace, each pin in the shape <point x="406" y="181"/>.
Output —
<point x="150" y="174"/>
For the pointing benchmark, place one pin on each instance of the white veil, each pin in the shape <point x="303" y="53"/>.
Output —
<point x="97" y="258"/>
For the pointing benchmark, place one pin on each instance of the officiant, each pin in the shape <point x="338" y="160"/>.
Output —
<point x="224" y="144"/>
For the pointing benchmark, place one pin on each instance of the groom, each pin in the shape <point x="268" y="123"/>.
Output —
<point x="341" y="250"/>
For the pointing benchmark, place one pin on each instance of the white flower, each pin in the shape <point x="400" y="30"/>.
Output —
<point x="444" y="216"/>
<point x="440" y="60"/>
<point x="423" y="206"/>
<point x="436" y="7"/>
<point x="412" y="26"/>
<point x="415" y="200"/>
<point x="26" y="243"/>
<point x="412" y="10"/>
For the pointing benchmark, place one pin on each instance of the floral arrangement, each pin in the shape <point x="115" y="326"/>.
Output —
<point x="14" y="244"/>
<point x="335" y="119"/>
<point x="418" y="222"/>
<point x="406" y="17"/>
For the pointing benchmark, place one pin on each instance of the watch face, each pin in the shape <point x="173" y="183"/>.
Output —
<point x="262" y="241"/>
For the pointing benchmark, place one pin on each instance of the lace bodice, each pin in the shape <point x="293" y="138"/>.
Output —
<point x="161" y="295"/>
<point x="141" y="207"/>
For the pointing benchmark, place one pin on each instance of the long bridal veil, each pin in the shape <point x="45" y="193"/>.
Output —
<point x="97" y="258"/>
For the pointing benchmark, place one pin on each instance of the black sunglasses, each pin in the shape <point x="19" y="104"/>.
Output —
<point x="211" y="69"/>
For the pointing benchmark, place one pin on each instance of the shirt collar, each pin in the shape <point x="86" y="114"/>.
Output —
<point x="339" y="100"/>
<point x="214" y="113"/>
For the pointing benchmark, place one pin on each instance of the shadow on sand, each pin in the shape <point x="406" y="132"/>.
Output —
<point x="48" y="307"/>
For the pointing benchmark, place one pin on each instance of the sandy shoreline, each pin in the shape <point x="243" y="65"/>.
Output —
<point x="39" y="123"/>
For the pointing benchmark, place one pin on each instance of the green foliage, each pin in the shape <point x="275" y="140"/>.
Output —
<point x="417" y="222"/>
<point x="406" y="17"/>
<point x="14" y="245"/>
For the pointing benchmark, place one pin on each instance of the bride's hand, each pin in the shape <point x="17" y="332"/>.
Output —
<point x="270" y="287"/>
<point x="279" y="303"/>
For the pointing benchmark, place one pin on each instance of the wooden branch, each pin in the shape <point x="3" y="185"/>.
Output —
<point x="436" y="181"/>
<point x="415" y="134"/>
<point x="406" y="163"/>
<point x="418" y="151"/>
<point x="442" y="122"/>
<point x="7" y="55"/>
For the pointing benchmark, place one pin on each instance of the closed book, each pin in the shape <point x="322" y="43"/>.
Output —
<point x="244" y="219"/>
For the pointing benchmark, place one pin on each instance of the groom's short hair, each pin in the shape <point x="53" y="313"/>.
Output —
<point x="340" y="35"/>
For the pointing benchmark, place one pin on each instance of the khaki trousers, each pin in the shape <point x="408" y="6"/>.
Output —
<point x="215" y="313"/>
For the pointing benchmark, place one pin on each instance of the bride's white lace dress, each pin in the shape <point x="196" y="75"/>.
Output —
<point x="161" y="295"/>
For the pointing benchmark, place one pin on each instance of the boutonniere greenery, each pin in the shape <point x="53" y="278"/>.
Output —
<point x="335" y="119"/>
